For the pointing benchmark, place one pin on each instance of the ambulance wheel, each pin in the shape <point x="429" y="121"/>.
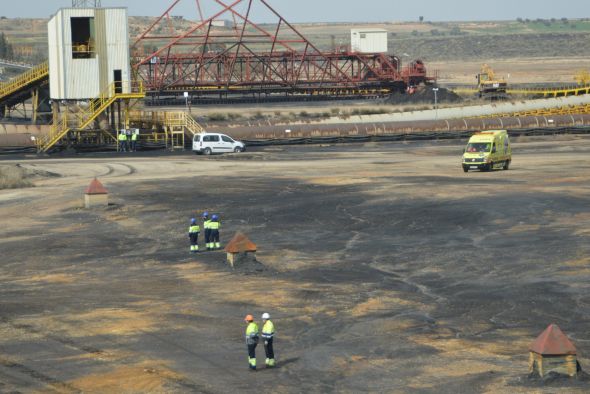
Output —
<point x="465" y="169"/>
<point x="207" y="152"/>
<point x="506" y="164"/>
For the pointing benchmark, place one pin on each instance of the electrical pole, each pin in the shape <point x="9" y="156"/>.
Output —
<point x="435" y="90"/>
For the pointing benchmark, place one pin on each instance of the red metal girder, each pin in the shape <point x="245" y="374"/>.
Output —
<point x="192" y="30"/>
<point x="142" y="36"/>
<point x="203" y="57"/>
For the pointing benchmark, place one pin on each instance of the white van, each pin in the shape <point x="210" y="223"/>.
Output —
<point x="208" y="143"/>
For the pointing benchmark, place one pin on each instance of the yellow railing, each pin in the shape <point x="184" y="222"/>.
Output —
<point x="167" y="119"/>
<point x="14" y="85"/>
<point x="192" y="125"/>
<point x="85" y="116"/>
<point x="565" y="110"/>
<point x="182" y="119"/>
<point x="545" y="92"/>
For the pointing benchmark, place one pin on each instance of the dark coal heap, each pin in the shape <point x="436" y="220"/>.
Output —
<point x="424" y="95"/>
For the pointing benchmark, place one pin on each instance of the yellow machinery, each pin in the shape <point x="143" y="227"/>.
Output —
<point x="489" y="86"/>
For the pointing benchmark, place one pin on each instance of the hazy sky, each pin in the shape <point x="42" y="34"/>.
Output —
<point x="340" y="10"/>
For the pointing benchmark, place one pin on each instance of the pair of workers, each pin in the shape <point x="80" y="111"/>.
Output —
<point x="252" y="338"/>
<point x="128" y="140"/>
<point x="211" y="227"/>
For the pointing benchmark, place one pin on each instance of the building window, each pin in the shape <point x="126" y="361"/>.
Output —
<point x="363" y="35"/>
<point x="83" y="38"/>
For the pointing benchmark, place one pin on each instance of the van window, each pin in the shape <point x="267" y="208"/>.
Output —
<point x="478" y="147"/>
<point x="225" y="138"/>
<point x="211" y="138"/>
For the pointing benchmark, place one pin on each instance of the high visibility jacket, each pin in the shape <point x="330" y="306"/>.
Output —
<point x="252" y="333"/>
<point x="214" y="225"/>
<point x="133" y="137"/>
<point x="122" y="137"/>
<point x="268" y="330"/>
<point x="206" y="223"/>
<point x="194" y="229"/>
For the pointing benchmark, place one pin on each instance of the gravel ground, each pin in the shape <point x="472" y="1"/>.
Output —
<point x="385" y="267"/>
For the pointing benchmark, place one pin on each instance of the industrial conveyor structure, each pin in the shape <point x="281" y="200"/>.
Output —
<point x="222" y="55"/>
<point x="69" y="125"/>
<point x="246" y="59"/>
<point x="167" y="127"/>
<point x="535" y="92"/>
<point x="582" y="109"/>
<point x="30" y="85"/>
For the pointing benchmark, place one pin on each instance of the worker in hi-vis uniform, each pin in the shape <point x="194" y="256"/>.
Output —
<point x="122" y="140"/>
<point x="214" y="225"/>
<point x="251" y="340"/>
<point x="206" y="222"/>
<point x="268" y="334"/>
<point x="134" y="136"/>
<point x="193" y="234"/>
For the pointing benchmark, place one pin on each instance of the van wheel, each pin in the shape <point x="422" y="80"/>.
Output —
<point x="465" y="169"/>
<point x="506" y="164"/>
<point x="207" y="151"/>
<point x="237" y="149"/>
<point x="490" y="166"/>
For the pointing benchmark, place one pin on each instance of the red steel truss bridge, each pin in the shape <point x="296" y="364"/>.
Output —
<point x="225" y="55"/>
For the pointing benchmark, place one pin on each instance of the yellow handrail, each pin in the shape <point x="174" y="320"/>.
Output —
<point x="565" y="110"/>
<point x="14" y="85"/>
<point x="96" y="106"/>
<point x="545" y="92"/>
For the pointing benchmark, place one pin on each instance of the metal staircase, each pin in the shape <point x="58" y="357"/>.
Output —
<point x="82" y="118"/>
<point x="183" y="121"/>
<point x="170" y="127"/>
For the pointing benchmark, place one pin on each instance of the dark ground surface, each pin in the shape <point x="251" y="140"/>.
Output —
<point x="387" y="269"/>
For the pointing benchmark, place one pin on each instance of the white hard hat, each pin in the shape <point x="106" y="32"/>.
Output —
<point x="265" y="316"/>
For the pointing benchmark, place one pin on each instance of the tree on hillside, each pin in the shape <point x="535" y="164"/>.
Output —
<point x="421" y="19"/>
<point x="6" y="50"/>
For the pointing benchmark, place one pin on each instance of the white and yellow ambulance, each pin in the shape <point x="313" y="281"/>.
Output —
<point x="488" y="150"/>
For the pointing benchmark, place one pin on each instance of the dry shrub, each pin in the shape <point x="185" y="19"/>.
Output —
<point x="14" y="177"/>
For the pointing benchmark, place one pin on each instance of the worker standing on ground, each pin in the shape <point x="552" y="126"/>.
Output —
<point x="206" y="222"/>
<point x="251" y="340"/>
<point x="128" y="132"/>
<point x="214" y="225"/>
<point x="134" y="140"/>
<point x="122" y="140"/>
<point x="193" y="234"/>
<point x="268" y="334"/>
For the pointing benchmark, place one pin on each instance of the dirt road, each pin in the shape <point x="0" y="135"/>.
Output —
<point x="387" y="269"/>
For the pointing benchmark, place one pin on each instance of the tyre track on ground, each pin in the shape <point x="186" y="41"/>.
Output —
<point x="56" y="384"/>
<point x="184" y="381"/>
<point x="109" y="172"/>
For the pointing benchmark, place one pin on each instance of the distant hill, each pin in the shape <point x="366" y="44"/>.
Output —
<point x="430" y="41"/>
